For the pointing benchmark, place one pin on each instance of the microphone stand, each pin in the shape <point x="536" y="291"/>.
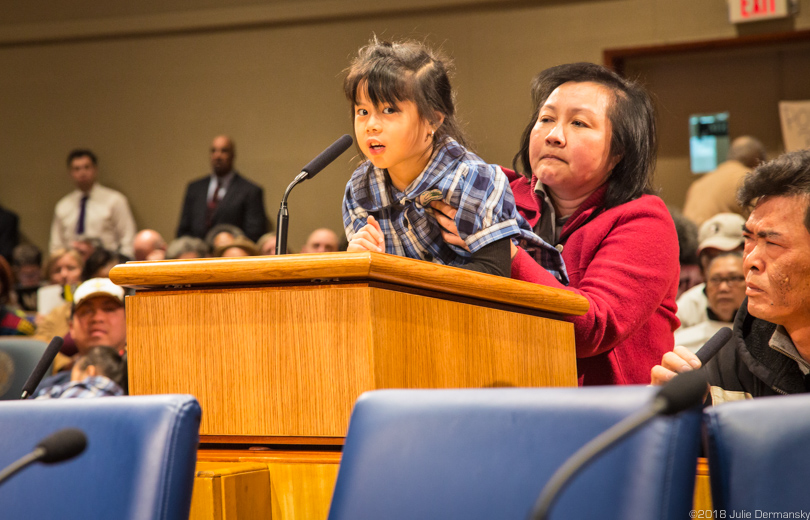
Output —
<point x="284" y="216"/>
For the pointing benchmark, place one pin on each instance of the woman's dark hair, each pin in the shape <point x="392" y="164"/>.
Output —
<point x="632" y="119"/>
<point x="100" y="258"/>
<point x="787" y="175"/>
<point x="390" y="72"/>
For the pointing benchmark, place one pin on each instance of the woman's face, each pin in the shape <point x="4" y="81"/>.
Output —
<point x="66" y="271"/>
<point x="569" y="147"/>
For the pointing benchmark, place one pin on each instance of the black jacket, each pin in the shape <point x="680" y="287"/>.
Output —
<point x="748" y="364"/>
<point x="242" y="206"/>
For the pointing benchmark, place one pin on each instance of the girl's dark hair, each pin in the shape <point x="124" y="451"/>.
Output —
<point x="632" y="119"/>
<point x="391" y="72"/>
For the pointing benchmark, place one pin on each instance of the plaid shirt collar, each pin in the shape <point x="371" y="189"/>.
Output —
<point x="373" y="191"/>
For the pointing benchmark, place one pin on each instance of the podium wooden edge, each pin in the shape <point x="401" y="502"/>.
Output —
<point x="325" y="268"/>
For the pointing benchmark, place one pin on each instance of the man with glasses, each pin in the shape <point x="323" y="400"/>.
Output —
<point x="769" y="352"/>
<point x="725" y="292"/>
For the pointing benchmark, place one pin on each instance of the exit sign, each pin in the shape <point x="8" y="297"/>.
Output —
<point x="741" y="11"/>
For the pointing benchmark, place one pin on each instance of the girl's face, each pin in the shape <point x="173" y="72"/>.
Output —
<point x="392" y="137"/>
<point x="569" y="147"/>
<point x="66" y="271"/>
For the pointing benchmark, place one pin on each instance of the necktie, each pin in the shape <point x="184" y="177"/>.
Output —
<point x="212" y="205"/>
<point x="82" y="212"/>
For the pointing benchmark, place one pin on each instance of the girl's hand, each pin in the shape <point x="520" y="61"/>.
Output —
<point x="446" y="216"/>
<point x="369" y="238"/>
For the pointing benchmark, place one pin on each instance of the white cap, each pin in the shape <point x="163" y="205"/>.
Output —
<point x="95" y="287"/>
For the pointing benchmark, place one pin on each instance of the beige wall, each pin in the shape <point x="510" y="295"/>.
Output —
<point x="147" y="86"/>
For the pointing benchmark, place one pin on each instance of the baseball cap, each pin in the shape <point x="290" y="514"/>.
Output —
<point x="95" y="287"/>
<point x="723" y="231"/>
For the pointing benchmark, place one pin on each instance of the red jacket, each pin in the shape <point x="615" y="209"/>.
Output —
<point x="625" y="262"/>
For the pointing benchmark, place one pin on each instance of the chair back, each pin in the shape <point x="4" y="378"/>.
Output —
<point x="758" y="456"/>
<point x="469" y="454"/>
<point x="18" y="358"/>
<point x="139" y="461"/>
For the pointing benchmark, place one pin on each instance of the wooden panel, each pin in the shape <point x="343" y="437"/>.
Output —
<point x="302" y="491"/>
<point x="703" y="491"/>
<point x="291" y="361"/>
<point x="231" y="491"/>
<point x="260" y="361"/>
<point x="318" y="268"/>
<point x="431" y="343"/>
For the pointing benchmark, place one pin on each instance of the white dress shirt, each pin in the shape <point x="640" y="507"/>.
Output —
<point x="107" y="217"/>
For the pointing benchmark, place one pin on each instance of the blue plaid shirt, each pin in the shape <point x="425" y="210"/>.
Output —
<point x="480" y="191"/>
<point x="94" y="386"/>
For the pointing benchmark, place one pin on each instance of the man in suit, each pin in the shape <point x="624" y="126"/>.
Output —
<point x="223" y="197"/>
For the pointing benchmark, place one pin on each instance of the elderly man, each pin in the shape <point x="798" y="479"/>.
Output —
<point x="223" y="197"/>
<point x="321" y="240"/>
<point x="91" y="210"/>
<point x="98" y="320"/>
<point x="149" y="245"/>
<point x="769" y="353"/>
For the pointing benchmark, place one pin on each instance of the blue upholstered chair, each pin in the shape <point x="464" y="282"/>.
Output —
<point x="758" y="454"/>
<point x="469" y="454"/>
<point x="139" y="461"/>
<point x="18" y="357"/>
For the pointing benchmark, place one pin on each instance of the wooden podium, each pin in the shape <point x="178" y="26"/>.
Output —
<point x="278" y="348"/>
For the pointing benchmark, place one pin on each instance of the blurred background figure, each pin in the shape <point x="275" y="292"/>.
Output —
<point x="100" y="262"/>
<point x="13" y="322"/>
<point x="186" y="248"/>
<point x="149" y="245"/>
<point x="716" y="191"/>
<point x="241" y="246"/>
<point x="26" y="262"/>
<point x="9" y="232"/>
<point x="267" y="244"/>
<point x="691" y="273"/>
<point x="321" y="240"/>
<point x="221" y="235"/>
<point x="85" y="244"/>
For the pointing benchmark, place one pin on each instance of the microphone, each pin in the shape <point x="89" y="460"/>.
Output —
<point x="56" y="447"/>
<point x="682" y="392"/>
<point x="42" y="366"/>
<point x="307" y="172"/>
<point x="713" y="346"/>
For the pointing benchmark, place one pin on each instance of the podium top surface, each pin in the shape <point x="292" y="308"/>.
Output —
<point x="331" y="268"/>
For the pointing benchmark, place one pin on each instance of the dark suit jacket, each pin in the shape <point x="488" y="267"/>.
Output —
<point x="242" y="206"/>
<point x="9" y="233"/>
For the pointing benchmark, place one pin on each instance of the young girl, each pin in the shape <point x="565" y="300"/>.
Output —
<point x="405" y="125"/>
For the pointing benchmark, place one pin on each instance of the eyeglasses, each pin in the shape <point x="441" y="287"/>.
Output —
<point x="732" y="281"/>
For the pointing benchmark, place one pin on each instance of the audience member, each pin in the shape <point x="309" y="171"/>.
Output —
<point x="9" y="232"/>
<point x="12" y="322"/>
<point x="64" y="267"/>
<point x="27" y="267"/>
<point x="91" y="209"/>
<point x="720" y="234"/>
<point x="588" y="155"/>
<point x="691" y="273"/>
<point x="64" y="270"/>
<point x="223" y="197"/>
<point x="86" y="244"/>
<point x="715" y="192"/>
<point x="222" y="234"/>
<point x="725" y="292"/>
<point x="321" y="240"/>
<point x="241" y="246"/>
<point x="267" y="244"/>
<point x="100" y="263"/>
<point x="101" y="372"/>
<point x="149" y="245"/>
<point x="769" y="352"/>
<point x="98" y="319"/>
<point x="187" y="248"/>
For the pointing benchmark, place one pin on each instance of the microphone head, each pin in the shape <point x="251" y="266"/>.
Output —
<point x="62" y="445"/>
<point x="683" y="392"/>
<point x="42" y="366"/>
<point x="327" y="156"/>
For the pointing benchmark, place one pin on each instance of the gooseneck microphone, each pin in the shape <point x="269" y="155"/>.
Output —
<point x="56" y="447"/>
<point x="682" y="392"/>
<point x="42" y="366"/>
<point x="307" y="172"/>
<point x="713" y="346"/>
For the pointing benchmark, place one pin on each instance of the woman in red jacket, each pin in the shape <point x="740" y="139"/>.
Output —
<point x="590" y="147"/>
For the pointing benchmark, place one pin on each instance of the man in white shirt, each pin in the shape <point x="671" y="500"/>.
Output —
<point x="92" y="210"/>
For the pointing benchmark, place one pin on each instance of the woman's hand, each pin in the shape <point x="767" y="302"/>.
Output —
<point x="673" y="363"/>
<point x="446" y="216"/>
<point x="369" y="238"/>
